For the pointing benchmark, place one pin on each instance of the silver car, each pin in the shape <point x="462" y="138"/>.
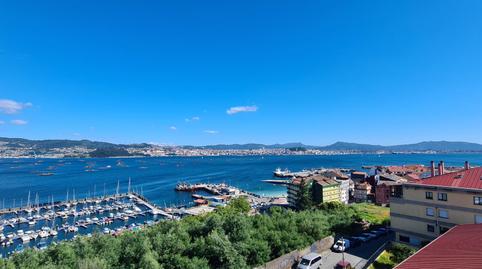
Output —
<point x="310" y="261"/>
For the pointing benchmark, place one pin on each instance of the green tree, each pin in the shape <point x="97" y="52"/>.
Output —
<point x="304" y="199"/>
<point x="401" y="252"/>
<point x="240" y="205"/>
<point x="149" y="261"/>
<point x="219" y="251"/>
<point x="92" y="263"/>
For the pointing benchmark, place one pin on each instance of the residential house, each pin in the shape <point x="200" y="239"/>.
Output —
<point x="386" y="186"/>
<point x="358" y="177"/>
<point x="362" y="192"/>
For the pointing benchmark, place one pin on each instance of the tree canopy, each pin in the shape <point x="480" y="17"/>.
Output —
<point x="226" y="238"/>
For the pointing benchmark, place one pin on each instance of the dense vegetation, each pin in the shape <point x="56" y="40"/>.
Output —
<point x="227" y="238"/>
<point x="394" y="255"/>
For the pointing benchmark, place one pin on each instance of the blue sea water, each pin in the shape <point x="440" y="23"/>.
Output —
<point x="157" y="177"/>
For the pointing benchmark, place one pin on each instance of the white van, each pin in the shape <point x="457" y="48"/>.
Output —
<point x="310" y="261"/>
<point x="341" y="245"/>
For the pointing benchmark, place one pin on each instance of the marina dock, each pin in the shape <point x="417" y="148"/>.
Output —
<point x="41" y="224"/>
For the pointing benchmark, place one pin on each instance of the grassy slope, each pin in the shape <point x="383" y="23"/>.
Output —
<point x="373" y="213"/>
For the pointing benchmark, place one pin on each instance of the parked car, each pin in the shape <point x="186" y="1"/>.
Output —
<point x="343" y="265"/>
<point x="354" y="242"/>
<point x="383" y="230"/>
<point x="310" y="261"/>
<point x="341" y="245"/>
<point x="370" y="236"/>
<point x="363" y="239"/>
<point x="377" y="233"/>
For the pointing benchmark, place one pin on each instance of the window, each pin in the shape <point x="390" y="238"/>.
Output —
<point x="404" y="239"/>
<point x="430" y="228"/>
<point x="477" y="200"/>
<point x="442" y="196"/>
<point x="443" y="229"/>
<point x="429" y="211"/>
<point x="478" y="219"/>
<point x="442" y="213"/>
<point x="429" y="195"/>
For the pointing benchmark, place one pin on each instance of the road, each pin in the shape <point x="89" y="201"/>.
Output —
<point x="357" y="256"/>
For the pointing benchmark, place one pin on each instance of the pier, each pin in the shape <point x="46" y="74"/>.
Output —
<point x="277" y="181"/>
<point x="216" y="189"/>
<point x="155" y="210"/>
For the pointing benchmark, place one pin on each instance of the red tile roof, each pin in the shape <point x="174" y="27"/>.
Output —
<point x="416" y="168"/>
<point x="471" y="179"/>
<point x="460" y="247"/>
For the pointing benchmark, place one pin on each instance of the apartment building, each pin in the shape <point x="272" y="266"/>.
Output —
<point x="325" y="190"/>
<point x="322" y="189"/>
<point x="344" y="182"/>
<point x="425" y="210"/>
<point x="293" y="189"/>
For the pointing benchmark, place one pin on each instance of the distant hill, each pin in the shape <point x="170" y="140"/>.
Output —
<point x="441" y="146"/>
<point x="63" y="143"/>
<point x="54" y="143"/>
<point x="437" y="146"/>
<point x="250" y="146"/>
<point x="345" y="146"/>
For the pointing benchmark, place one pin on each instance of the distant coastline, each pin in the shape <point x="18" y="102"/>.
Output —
<point x="25" y="148"/>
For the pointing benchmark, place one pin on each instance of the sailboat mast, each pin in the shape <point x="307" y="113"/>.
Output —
<point x="28" y="200"/>
<point x="129" y="186"/>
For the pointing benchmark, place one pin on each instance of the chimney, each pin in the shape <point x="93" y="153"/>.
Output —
<point x="432" y="166"/>
<point x="467" y="165"/>
<point x="443" y="167"/>
<point x="440" y="168"/>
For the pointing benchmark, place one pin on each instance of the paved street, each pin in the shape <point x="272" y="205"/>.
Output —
<point x="356" y="256"/>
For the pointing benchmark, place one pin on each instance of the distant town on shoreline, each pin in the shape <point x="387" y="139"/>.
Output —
<point x="56" y="148"/>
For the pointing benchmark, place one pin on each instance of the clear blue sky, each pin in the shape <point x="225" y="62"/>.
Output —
<point x="384" y="72"/>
